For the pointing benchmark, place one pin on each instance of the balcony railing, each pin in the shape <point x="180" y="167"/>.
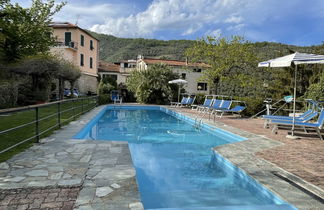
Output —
<point x="71" y="44"/>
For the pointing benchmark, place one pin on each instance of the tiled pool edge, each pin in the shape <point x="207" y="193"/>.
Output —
<point x="241" y="154"/>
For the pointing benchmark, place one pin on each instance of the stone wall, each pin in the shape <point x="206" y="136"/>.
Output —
<point x="87" y="83"/>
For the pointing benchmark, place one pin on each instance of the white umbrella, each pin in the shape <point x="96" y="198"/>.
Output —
<point x="296" y="59"/>
<point x="178" y="82"/>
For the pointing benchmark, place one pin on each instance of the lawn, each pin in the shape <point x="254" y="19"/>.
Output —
<point x="48" y="116"/>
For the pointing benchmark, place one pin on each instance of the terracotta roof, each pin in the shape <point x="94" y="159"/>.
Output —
<point x="69" y="25"/>
<point x="108" y="67"/>
<point x="173" y="62"/>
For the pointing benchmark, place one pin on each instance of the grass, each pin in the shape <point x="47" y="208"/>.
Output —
<point x="12" y="120"/>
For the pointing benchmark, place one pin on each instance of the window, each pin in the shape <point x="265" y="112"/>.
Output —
<point x="91" y="45"/>
<point x="201" y="86"/>
<point x="82" y="40"/>
<point x="67" y="38"/>
<point x="113" y="76"/>
<point x="90" y="62"/>
<point x="183" y="75"/>
<point x="197" y="70"/>
<point x="81" y="60"/>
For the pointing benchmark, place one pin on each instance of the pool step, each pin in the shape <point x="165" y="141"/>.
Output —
<point x="238" y="207"/>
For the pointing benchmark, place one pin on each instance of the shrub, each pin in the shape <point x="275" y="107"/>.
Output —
<point x="104" y="92"/>
<point x="254" y="105"/>
<point x="8" y="95"/>
<point x="200" y="98"/>
<point x="316" y="90"/>
<point x="151" y="85"/>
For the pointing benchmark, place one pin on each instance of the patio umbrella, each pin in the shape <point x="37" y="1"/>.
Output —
<point x="289" y="60"/>
<point x="178" y="82"/>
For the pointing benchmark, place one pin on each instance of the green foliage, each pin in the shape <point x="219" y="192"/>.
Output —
<point x="36" y="75"/>
<point x="225" y="55"/>
<point x="116" y="49"/>
<point x="200" y="98"/>
<point x="316" y="90"/>
<point x="40" y="71"/>
<point x="111" y="81"/>
<point x="254" y="105"/>
<point x="151" y="85"/>
<point x="67" y="72"/>
<point x="25" y="31"/>
<point x="8" y="94"/>
<point x="104" y="92"/>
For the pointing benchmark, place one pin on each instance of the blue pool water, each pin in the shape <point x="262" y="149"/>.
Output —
<point x="175" y="166"/>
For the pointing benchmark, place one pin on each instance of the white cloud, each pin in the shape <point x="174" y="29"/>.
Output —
<point x="215" y="33"/>
<point x="183" y="16"/>
<point x="237" y="27"/>
<point x="256" y="19"/>
<point x="234" y="19"/>
<point x="88" y="14"/>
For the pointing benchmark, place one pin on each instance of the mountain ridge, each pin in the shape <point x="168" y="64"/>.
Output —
<point x="114" y="49"/>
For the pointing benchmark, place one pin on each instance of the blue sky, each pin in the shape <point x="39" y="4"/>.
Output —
<point x="298" y="22"/>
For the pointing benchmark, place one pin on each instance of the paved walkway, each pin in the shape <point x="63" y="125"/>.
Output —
<point x="102" y="170"/>
<point x="47" y="198"/>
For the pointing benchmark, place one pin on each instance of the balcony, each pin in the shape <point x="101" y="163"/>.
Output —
<point x="72" y="44"/>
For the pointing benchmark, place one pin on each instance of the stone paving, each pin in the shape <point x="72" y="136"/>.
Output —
<point x="103" y="170"/>
<point x="46" y="198"/>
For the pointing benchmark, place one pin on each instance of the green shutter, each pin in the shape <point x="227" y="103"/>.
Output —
<point x="82" y="40"/>
<point x="81" y="60"/>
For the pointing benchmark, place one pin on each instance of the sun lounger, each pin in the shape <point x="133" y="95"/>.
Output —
<point x="189" y="102"/>
<point x="184" y="100"/>
<point x="207" y="103"/>
<point x="278" y="117"/>
<point x="317" y="126"/>
<point x="302" y="117"/>
<point x="235" y="110"/>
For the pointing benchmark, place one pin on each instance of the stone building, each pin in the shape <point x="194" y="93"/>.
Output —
<point x="191" y="72"/>
<point x="82" y="49"/>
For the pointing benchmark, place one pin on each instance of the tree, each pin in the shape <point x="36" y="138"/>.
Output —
<point x="41" y="71"/>
<point x="316" y="90"/>
<point x="151" y="85"/>
<point x="106" y="85"/>
<point x="26" y="31"/>
<point x="225" y="55"/>
<point x="67" y="72"/>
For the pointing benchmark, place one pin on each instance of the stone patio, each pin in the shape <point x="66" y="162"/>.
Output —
<point x="102" y="170"/>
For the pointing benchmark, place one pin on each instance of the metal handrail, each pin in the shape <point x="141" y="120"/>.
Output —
<point x="91" y="101"/>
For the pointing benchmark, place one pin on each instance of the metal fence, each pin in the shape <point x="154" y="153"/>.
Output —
<point x="23" y="124"/>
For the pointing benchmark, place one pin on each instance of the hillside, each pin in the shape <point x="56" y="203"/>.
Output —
<point x="113" y="49"/>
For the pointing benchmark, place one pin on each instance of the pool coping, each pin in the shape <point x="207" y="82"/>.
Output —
<point x="242" y="155"/>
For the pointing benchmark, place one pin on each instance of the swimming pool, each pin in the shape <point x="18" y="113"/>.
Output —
<point x="175" y="166"/>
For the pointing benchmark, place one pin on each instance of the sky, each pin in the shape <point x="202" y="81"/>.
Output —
<point x="297" y="22"/>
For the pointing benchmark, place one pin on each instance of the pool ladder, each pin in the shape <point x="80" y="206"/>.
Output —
<point x="198" y="121"/>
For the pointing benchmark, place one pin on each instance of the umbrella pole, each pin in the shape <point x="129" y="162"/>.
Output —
<point x="294" y="106"/>
<point x="178" y="93"/>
